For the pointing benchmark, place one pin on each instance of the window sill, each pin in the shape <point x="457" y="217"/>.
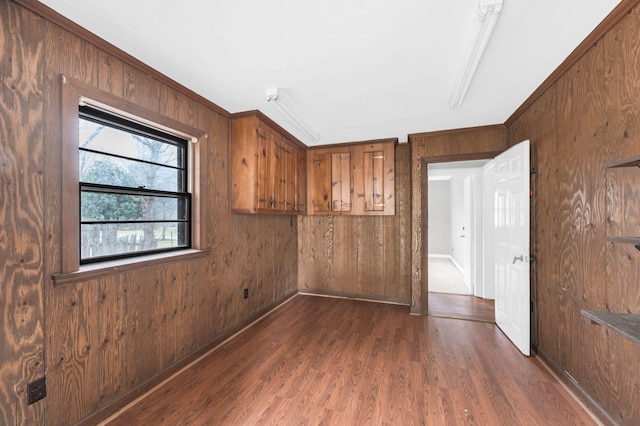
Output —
<point x="96" y="270"/>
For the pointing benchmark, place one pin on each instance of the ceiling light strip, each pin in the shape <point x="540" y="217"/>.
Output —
<point x="286" y="108"/>
<point x="484" y="22"/>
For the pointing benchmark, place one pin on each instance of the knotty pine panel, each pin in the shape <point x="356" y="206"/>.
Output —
<point x="21" y="213"/>
<point x="478" y="142"/>
<point x="538" y="124"/>
<point x="582" y="219"/>
<point x="106" y="336"/>
<point x="359" y="255"/>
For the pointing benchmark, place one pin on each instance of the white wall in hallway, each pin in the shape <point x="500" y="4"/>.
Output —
<point x="439" y="217"/>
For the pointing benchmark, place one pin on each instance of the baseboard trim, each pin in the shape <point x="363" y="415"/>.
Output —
<point x="580" y="395"/>
<point x="439" y="256"/>
<point x="366" y="298"/>
<point x="130" y="398"/>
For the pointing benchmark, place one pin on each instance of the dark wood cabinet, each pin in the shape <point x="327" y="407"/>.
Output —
<point x="352" y="179"/>
<point x="268" y="171"/>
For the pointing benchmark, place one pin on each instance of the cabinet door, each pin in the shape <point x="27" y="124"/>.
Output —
<point x="280" y="174"/>
<point x="320" y="189"/>
<point x="301" y="180"/>
<point x="341" y="182"/>
<point x="374" y="176"/>
<point x="373" y="181"/>
<point x="290" y="162"/>
<point x="263" y="195"/>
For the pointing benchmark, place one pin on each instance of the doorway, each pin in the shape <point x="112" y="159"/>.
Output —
<point x="456" y="268"/>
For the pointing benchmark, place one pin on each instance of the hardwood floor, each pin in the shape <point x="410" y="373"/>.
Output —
<point x="461" y="307"/>
<point x="319" y="360"/>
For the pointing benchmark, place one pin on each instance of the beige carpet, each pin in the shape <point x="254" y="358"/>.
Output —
<point x="444" y="277"/>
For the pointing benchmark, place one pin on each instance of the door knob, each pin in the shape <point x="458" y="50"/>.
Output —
<point x="520" y="258"/>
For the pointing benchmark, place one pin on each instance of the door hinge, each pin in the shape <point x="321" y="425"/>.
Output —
<point x="531" y="305"/>
<point x="532" y="171"/>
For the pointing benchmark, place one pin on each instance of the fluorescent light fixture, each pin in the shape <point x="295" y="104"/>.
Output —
<point x="288" y="109"/>
<point x="484" y="21"/>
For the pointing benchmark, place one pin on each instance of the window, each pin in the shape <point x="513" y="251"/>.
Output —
<point x="133" y="188"/>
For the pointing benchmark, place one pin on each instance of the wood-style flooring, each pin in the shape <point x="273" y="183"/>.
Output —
<point x="461" y="307"/>
<point x="318" y="360"/>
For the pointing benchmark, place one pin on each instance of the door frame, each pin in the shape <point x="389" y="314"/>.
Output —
<point x="419" y="225"/>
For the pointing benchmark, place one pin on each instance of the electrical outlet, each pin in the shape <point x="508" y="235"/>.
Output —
<point x="36" y="390"/>
<point x="246" y="293"/>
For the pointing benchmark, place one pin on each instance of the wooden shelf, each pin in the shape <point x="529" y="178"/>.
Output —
<point x="635" y="241"/>
<point x="626" y="162"/>
<point x="627" y="325"/>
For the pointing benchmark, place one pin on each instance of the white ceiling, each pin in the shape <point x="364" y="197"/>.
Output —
<point x="358" y="70"/>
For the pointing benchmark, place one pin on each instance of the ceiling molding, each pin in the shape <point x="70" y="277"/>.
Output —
<point x="607" y="24"/>
<point x="455" y="131"/>
<point x="343" y="144"/>
<point x="86" y="35"/>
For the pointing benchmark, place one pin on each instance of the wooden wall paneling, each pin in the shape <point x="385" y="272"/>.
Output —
<point x="53" y="209"/>
<point x="346" y="255"/>
<point x="73" y="353"/>
<point x="403" y="218"/>
<point x="78" y="373"/>
<point x="275" y="273"/>
<point x="110" y="74"/>
<point x="21" y="213"/>
<point x="390" y="261"/>
<point x="113" y="329"/>
<point x="622" y="84"/>
<point x="247" y="258"/>
<point x="419" y="289"/>
<point x="192" y="322"/>
<point x="538" y="124"/>
<point x="264" y="240"/>
<point x="284" y="272"/>
<point x="582" y="218"/>
<point x="368" y="246"/>
<point x="186" y="281"/>
<point x="305" y="250"/>
<point x="316" y="253"/>
<point x="142" y="336"/>
<point x="222" y="224"/>
<point x="141" y="89"/>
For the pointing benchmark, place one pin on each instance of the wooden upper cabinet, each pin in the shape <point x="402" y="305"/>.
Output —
<point x="268" y="171"/>
<point x="353" y="179"/>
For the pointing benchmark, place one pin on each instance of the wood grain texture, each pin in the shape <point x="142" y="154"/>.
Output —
<point x="593" y="121"/>
<point x="359" y="256"/>
<point x="109" y="336"/>
<point x="582" y="219"/>
<point x="21" y="213"/>
<point x="318" y="359"/>
<point x="465" y="144"/>
<point x="622" y="91"/>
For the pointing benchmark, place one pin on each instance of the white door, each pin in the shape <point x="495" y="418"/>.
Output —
<point x="466" y="235"/>
<point x="512" y="303"/>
